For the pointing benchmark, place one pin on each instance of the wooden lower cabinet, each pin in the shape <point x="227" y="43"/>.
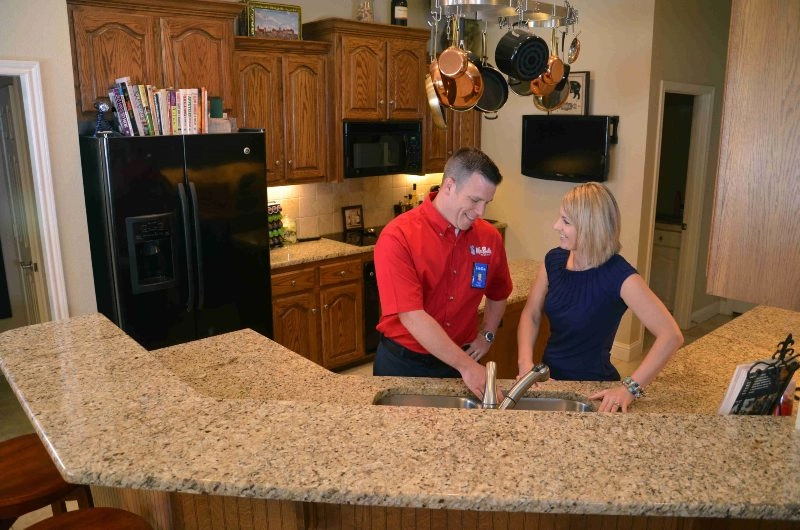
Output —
<point x="504" y="349"/>
<point x="180" y="511"/>
<point x="318" y="311"/>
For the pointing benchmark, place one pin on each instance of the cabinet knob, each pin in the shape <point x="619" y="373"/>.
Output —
<point x="314" y="310"/>
<point x="381" y="102"/>
<point x="294" y="282"/>
<point x="325" y="307"/>
<point x="342" y="273"/>
<point x="277" y="162"/>
<point x="391" y="102"/>
<point x="289" y="162"/>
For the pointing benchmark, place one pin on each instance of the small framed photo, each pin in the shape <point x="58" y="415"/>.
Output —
<point x="352" y="218"/>
<point x="578" y="98"/>
<point x="273" y="21"/>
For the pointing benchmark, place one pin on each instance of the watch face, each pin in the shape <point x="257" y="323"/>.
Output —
<point x="488" y="335"/>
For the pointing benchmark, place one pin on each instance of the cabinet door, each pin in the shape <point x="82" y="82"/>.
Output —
<point x="342" y="325"/>
<point x="406" y="70"/>
<point x="463" y="130"/>
<point x="109" y="44"/>
<point x="295" y="320"/>
<point x="306" y="118"/>
<point x="364" y="78"/>
<point x="466" y="130"/>
<point x="197" y="52"/>
<point x="436" y="143"/>
<point x="664" y="273"/>
<point x="261" y="105"/>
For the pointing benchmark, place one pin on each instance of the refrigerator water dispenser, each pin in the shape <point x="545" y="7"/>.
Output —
<point x="150" y="247"/>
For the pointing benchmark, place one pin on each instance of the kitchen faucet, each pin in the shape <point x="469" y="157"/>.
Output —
<point x="538" y="374"/>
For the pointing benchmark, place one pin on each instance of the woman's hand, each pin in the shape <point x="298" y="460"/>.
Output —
<point x="616" y="399"/>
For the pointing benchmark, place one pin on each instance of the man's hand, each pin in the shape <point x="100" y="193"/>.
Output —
<point x="477" y="348"/>
<point x="475" y="378"/>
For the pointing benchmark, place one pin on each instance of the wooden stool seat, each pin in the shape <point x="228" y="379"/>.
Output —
<point x="29" y="480"/>
<point x="93" y="519"/>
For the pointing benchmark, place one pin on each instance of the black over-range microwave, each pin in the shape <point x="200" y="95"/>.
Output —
<point x="382" y="148"/>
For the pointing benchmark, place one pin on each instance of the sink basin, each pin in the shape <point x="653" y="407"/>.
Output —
<point x="459" y="402"/>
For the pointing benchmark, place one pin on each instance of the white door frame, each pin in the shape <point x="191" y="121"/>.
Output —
<point x="696" y="172"/>
<point x="30" y="83"/>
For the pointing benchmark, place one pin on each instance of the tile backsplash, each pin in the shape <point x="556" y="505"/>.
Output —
<point x="317" y="208"/>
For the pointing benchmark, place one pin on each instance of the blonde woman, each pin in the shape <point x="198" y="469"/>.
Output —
<point x="584" y="287"/>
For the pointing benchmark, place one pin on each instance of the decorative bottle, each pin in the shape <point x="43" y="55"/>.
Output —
<point x="400" y="12"/>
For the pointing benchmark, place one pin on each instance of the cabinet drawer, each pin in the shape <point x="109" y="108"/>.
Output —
<point x="667" y="238"/>
<point x="340" y="271"/>
<point x="292" y="282"/>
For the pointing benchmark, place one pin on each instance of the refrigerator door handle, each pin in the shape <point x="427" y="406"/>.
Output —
<point x="198" y="242"/>
<point x="187" y="236"/>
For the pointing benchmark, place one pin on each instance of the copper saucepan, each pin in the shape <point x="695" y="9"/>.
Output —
<point x="555" y="66"/>
<point x="462" y="91"/>
<point x="454" y="61"/>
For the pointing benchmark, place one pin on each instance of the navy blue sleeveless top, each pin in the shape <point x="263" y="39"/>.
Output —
<point x="585" y="309"/>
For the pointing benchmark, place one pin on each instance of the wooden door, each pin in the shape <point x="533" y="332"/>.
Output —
<point x="466" y="130"/>
<point x="261" y="106"/>
<point x="341" y="324"/>
<point x="406" y="71"/>
<point x="306" y="118"/>
<point x="197" y="52"/>
<point x="363" y="65"/>
<point x="436" y="144"/>
<point x="295" y="319"/>
<point x="108" y="44"/>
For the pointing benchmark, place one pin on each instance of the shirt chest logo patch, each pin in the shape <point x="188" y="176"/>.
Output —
<point x="480" y="251"/>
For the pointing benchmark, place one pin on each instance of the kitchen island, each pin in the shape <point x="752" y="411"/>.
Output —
<point x="255" y="429"/>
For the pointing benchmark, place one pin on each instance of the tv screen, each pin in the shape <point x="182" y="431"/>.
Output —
<point x="568" y="148"/>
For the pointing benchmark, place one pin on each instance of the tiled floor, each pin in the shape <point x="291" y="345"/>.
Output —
<point x="13" y="421"/>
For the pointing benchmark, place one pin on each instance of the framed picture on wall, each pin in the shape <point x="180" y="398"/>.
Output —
<point x="273" y="21"/>
<point x="352" y="218"/>
<point x="578" y="99"/>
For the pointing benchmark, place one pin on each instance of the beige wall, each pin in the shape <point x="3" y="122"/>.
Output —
<point x="696" y="56"/>
<point x="619" y="49"/>
<point x="37" y="30"/>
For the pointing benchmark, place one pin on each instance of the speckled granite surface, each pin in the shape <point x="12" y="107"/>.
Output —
<point x="240" y="415"/>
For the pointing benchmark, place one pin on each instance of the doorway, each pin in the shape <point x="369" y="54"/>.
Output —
<point x="683" y="198"/>
<point x="31" y="248"/>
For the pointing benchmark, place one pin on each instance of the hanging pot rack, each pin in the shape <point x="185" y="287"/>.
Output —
<point x="511" y="12"/>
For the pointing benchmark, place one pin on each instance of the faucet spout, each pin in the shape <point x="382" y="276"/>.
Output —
<point x="538" y="374"/>
<point x="490" y="393"/>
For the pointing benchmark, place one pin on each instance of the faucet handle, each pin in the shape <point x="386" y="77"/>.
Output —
<point x="490" y="392"/>
<point x="538" y="374"/>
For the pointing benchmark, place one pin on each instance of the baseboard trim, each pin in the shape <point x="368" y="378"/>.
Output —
<point x="704" y="313"/>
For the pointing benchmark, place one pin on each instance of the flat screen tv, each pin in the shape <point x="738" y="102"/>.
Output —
<point x="568" y="148"/>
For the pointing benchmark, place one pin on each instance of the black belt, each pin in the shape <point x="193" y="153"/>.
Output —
<point x="402" y="351"/>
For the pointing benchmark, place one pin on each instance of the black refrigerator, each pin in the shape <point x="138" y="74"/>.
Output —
<point x="178" y="234"/>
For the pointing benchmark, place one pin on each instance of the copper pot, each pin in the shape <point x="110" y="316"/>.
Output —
<point x="464" y="91"/>
<point x="540" y="88"/>
<point x="434" y="86"/>
<point x="555" y="66"/>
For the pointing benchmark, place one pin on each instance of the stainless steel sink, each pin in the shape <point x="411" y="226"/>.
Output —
<point x="459" y="402"/>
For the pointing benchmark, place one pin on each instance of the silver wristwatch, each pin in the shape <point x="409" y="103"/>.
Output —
<point x="488" y="335"/>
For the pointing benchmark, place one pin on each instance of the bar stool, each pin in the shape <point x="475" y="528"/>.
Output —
<point x="93" y="519"/>
<point x="29" y="480"/>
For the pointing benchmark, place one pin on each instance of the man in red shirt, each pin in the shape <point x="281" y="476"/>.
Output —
<point x="434" y="264"/>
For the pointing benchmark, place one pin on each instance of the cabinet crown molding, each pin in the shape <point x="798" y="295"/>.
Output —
<point x="167" y="7"/>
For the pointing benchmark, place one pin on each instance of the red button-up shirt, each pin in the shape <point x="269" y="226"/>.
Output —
<point x="421" y="263"/>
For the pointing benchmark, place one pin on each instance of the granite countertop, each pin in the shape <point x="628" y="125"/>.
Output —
<point x="239" y="415"/>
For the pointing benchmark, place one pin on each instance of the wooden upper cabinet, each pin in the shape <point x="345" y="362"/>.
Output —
<point x="109" y="44"/>
<point x="406" y="69"/>
<point x="363" y="64"/>
<point x="463" y="130"/>
<point x="197" y="52"/>
<point x="382" y="78"/>
<point x="159" y="42"/>
<point x="754" y="252"/>
<point x="282" y="88"/>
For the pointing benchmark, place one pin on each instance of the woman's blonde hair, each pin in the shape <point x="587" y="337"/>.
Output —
<point x="594" y="212"/>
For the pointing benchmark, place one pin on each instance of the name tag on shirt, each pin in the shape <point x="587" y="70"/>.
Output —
<point x="479" y="271"/>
